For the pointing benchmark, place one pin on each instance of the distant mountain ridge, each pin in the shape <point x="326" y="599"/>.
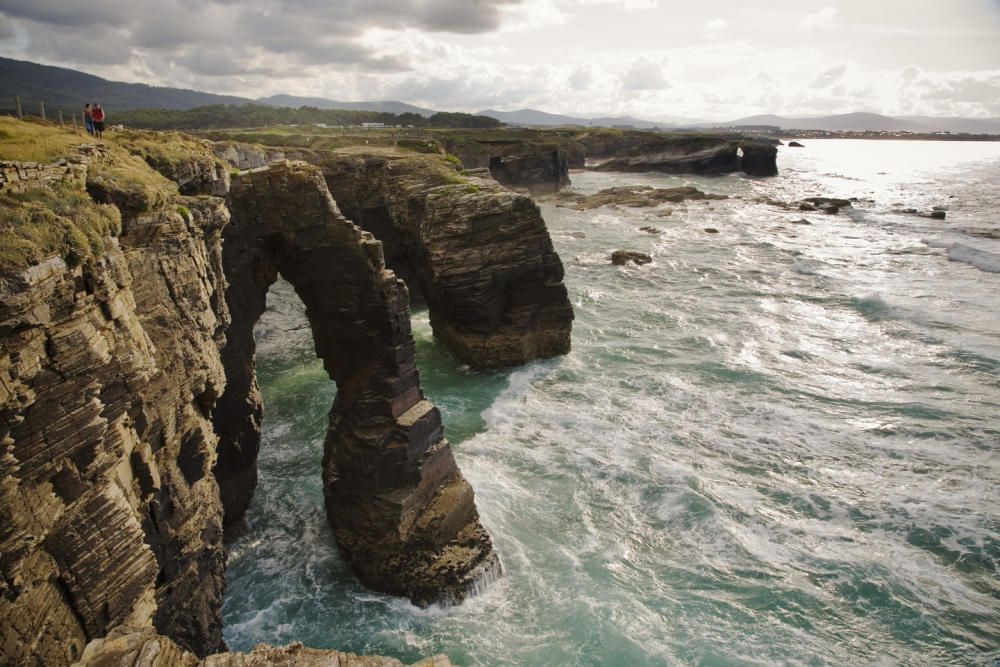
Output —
<point x="68" y="89"/>
<point x="864" y="121"/>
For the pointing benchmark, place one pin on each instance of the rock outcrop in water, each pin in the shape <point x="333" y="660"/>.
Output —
<point x="126" y="381"/>
<point x="632" y="196"/>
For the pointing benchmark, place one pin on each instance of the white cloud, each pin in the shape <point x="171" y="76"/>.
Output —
<point x="644" y="75"/>
<point x="822" y="21"/>
<point x="716" y="24"/>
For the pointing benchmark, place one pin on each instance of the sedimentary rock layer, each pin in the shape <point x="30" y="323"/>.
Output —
<point x="108" y="372"/>
<point x="478" y="254"/>
<point x="127" y="376"/>
<point x="141" y="647"/>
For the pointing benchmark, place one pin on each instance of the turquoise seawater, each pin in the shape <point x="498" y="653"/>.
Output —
<point x="776" y="444"/>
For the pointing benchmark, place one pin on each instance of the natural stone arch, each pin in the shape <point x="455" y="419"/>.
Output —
<point x="402" y="513"/>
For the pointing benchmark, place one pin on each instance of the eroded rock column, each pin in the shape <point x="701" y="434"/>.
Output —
<point x="402" y="513"/>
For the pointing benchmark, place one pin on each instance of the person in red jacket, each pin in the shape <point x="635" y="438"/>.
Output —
<point x="98" y="121"/>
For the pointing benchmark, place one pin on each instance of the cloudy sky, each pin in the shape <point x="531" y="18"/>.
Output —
<point x="706" y="59"/>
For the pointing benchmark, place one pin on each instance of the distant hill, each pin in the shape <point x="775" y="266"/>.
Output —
<point x="954" y="124"/>
<point x="67" y="89"/>
<point x="545" y="119"/>
<point x="294" y="102"/>
<point x="861" y="122"/>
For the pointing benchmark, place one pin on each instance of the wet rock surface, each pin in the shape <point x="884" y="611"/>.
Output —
<point x="633" y="196"/>
<point x="142" y="647"/>
<point x="623" y="257"/>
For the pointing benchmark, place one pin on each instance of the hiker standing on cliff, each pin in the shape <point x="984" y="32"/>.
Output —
<point x="88" y="118"/>
<point x="98" y="121"/>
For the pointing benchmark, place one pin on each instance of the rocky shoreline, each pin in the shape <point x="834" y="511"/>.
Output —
<point x="130" y="415"/>
<point x="129" y="410"/>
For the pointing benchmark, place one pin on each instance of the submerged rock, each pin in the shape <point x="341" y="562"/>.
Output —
<point x="633" y="196"/>
<point x="828" y="205"/>
<point x="622" y="257"/>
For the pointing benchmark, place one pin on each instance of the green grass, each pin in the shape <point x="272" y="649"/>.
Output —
<point x="130" y="183"/>
<point x="46" y="221"/>
<point x="61" y="219"/>
<point x="36" y="141"/>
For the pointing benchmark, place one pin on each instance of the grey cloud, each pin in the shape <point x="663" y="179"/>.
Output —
<point x="189" y="33"/>
<point x="644" y="75"/>
<point x="6" y="28"/>
<point x="98" y="45"/>
<point x="829" y="77"/>
<point x="467" y="93"/>
<point x="69" y="13"/>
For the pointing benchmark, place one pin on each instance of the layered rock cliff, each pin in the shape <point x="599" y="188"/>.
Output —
<point x="142" y="647"/>
<point x="109" y="370"/>
<point x="127" y="389"/>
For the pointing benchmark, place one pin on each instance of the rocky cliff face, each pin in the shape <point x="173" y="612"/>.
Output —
<point x="129" y="413"/>
<point x="479" y="254"/>
<point x="109" y="513"/>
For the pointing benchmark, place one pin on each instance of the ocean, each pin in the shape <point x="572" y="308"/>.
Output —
<point x="777" y="444"/>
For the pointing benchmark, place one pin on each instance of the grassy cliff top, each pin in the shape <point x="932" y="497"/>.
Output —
<point x="29" y="141"/>
<point x="43" y="222"/>
<point x="64" y="218"/>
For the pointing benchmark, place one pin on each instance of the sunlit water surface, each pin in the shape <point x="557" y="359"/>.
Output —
<point x="776" y="444"/>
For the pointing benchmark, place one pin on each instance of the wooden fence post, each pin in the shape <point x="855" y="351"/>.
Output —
<point x="17" y="99"/>
<point x="41" y="105"/>
<point x="61" y="124"/>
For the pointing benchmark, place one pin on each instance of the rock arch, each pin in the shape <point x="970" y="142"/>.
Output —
<point x="402" y="513"/>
